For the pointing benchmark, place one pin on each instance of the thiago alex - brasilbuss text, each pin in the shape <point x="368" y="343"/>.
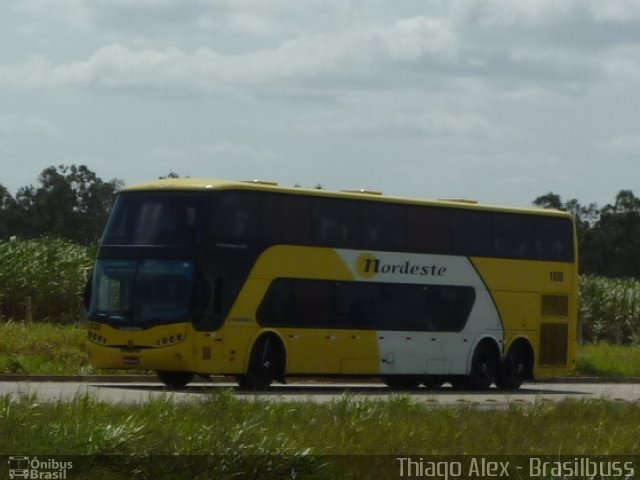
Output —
<point x="479" y="467"/>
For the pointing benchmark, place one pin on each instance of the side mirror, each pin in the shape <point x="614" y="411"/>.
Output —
<point x="88" y="289"/>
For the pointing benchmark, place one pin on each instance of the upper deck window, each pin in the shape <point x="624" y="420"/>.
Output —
<point x="236" y="218"/>
<point x="156" y="218"/>
<point x="335" y="223"/>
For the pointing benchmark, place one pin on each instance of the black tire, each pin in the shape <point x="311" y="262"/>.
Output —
<point x="484" y="367"/>
<point x="513" y="369"/>
<point x="432" y="382"/>
<point x="459" y="382"/>
<point x="175" y="380"/>
<point x="263" y="366"/>
<point x="401" y="382"/>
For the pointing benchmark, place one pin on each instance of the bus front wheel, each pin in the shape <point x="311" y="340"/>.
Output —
<point x="175" y="380"/>
<point x="263" y="365"/>
<point x="484" y="367"/>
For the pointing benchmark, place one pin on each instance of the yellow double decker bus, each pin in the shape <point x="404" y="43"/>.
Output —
<point x="260" y="282"/>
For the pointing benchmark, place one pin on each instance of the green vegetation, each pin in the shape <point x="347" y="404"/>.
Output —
<point x="610" y="309"/>
<point x="50" y="272"/>
<point x="270" y="439"/>
<point x="70" y="202"/>
<point x="43" y="348"/>
<point x="606" y="360"/>
<point x="609" y="237"/>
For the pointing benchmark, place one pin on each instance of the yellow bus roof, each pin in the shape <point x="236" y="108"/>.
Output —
<point x="205" y="184"/>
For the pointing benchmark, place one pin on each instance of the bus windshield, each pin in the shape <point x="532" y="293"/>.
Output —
<point x="156" y="218"/>
<point x="136" y="292"/>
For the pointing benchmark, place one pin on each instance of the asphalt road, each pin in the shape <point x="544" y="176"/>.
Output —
<point x="529" y="394"/>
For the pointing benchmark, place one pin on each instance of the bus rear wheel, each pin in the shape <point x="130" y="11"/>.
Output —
<point x="401" y="382"/>
<point x="263" y="365"/>
<point x="432" y="382"/>
<point x="175" y="380"/>
<point x="513" y="370"/>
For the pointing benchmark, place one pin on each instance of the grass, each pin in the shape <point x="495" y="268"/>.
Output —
<point x="43" y="348"/>
<point x="50" y="272"/>
<point x="53" y="349"/>
<point x="262" y="435"/>
<point x="610" y="308"/>
<point x="606" y="360"/>
<point x="267" y="440"/>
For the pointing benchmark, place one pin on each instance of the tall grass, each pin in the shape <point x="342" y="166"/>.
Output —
<point x="610" y="309"/>
<point x="49" y="271"/>
<point x="43" y="349"/>
<point x="607" y="360"/>
<point x="270" y="440"/>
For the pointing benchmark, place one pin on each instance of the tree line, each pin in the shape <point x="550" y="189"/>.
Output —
<point x="608" y="237"/>
<point x="69" y="202"/>
<point x="72" y="202"/>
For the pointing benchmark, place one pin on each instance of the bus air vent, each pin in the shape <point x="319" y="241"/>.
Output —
<point x="553" y="343"/>
<point x="363" y="191"/>
<point x="555" y="306"/>
<point x="261" y="182"/>
<point x="459" y="200"/>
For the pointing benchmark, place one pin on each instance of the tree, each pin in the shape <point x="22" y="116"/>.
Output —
<point x="70" y="202"/>
<point x="170" y="175"/>
<point x="8" y="213"/>
<point x="618" y="235"/>
<point x="608" y="238"/>
<point x="549" y="200"/>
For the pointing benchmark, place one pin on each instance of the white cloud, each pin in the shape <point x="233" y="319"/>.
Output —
<point x="513" y="42"/>
<point x="351" y="53"/>
<point x="518" y="44"/>
<point x="627" y="144"/>
<point x="302" y="90"/>
<point x="11" y="125"/>
<point x="620" y="11"/>
<point x="231" y="152"/>
<point x="364" y="120"/>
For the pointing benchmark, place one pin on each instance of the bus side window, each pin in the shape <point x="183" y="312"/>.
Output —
<point x="335" y="223"/>
<point x="553" y="239"/>
<point x="513" y="235"/>
<point x="472" y="233"/>
<point x="236" y="218"/>
<point x="286" y="220"/>
<point x="383" y="227"/>
<point x="428" y="230"/>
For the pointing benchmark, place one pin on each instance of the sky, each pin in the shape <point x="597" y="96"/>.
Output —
<point x="495" y="100"/>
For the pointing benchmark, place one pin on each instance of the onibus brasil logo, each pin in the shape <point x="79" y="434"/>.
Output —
<point x="37" y="469"/>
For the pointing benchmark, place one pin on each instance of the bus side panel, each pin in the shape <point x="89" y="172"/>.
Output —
<point x="308" y="350"/>
<point x="435" y="351"/>
<point x="537" y="301"/>
<point x="348" y="352"/>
